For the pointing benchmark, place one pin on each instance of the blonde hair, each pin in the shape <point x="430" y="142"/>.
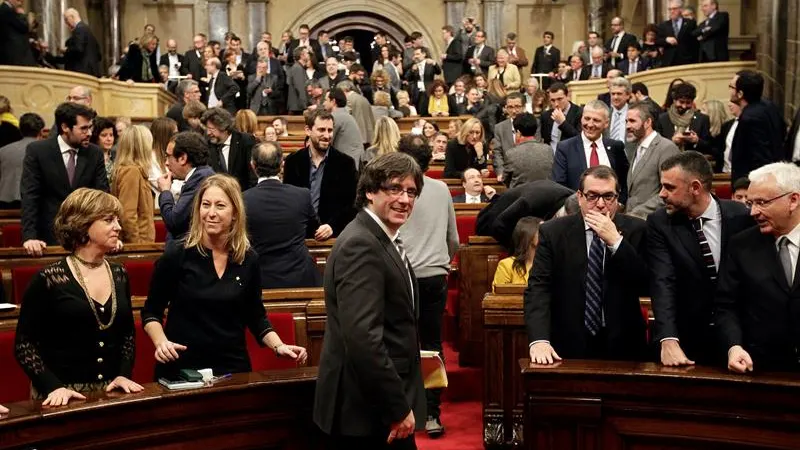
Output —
<point x="381" y="98"/>
<point x="135" y="148"/>
<point x="193" y="110"/>
<point x="465" y="129"/>
<point x="718" y="114"/>
<point x="236" y="242"/>
<point x="402" y="98"/>
<point x="79" y="211"/>
<point x="386" y="135"/>
<point x="246" y="121"/>
<point x="5" y="104"/>
<point x="162" y="130"/>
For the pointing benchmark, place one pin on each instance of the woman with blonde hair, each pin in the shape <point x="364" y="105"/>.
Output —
<point x="211" y="283"/>
<point x="9" y="123"/>
<point x="718" y="114"/>
<point x="384" y="140"/>
<point x="467" y="151"/>
<point x="404" y="105"/>
<point x="161" y="129"/>
<point x="453" y="128"/>
<point x="382" y="106"/>
<point x="132" y="187"/>
<point x="246" y="121"/>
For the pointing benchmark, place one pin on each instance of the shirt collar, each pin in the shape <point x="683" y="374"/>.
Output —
<point x="189" y="175"/>
<point x="324" y="157"/>
<point x="274" y="177"/>
<point x="228" y="141"/>
<point x="711" y="212"/>
<point x="587" y="142"/>
<point x="381" y="224"/>
<point x="648" y="139"/>
<point x="620" y="111"/>
<point x="63" y="146"/>
<point x="794" y="236"/>
<point x="620" y="34"/>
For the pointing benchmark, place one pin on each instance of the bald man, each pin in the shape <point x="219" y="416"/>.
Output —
<point x="82" y="52"/>
<point x="173" y="60"/>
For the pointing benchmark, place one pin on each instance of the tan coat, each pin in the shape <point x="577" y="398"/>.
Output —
<point x="133" y="190"/>
<point x="511" y="78"/>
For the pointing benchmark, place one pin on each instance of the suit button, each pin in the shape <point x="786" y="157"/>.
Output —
<point x="100" y="376"/>
<point x="99" y="360"/>
<point x="101" y="344"/>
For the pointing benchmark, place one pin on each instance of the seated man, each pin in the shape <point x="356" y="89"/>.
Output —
<point x="529" y="160"/>
<point x="281" y="125"/>
<point x="589" y="271"/>
<point x="474" y="190"/>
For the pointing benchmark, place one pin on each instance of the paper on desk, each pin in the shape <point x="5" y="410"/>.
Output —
<point x="434" y="374"/>
<point x="7" y="306"/>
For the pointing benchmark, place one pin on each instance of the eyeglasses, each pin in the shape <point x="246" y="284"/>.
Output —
<point x="397" y="191"/>
<point x="608" y="197"/>
<point x="762" y="203"/>
<point x="75" y="98"/>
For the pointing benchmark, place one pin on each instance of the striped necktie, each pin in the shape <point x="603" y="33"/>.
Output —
<point x="592" y="317"/>
<point x="398" y="244"/>
<point x="705" y="249"/>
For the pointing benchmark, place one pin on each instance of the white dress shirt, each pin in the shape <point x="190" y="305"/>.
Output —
<point x="712" y="229"/>
<point x="601" y="151"/>
<point x="212" y="96"/>
<point x="274" y="177"/>
<point x="469" y="198"/>
<point x="726" y="167"/>
<point x="555" y="132"/>
<point x="796" y="148"/>
<point x="421" y="70"/>
<point x="65" y="148"/>
<point x="174" y="65"/>
<point x="226" y="150"/>
<point x="794" y="247"/>
<point x="642" y="149"/>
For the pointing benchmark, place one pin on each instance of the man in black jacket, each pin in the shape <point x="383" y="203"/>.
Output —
<point x="14" y="33"/>
<point x="713" y="33"/>
<point x="187" y="91"/>
<point x="329" y="174"/>
<point x="55" y="167"/>
<point x="229" y="150"/>
<point x="83" y="50"/>
<point x="546" y="58"/>
<point x="686" y="126"/>
<point x="221" y="89"/>
<point x="676" y="37"/>
<point x="453" y="58"/>
<point x="194" y="58"/>
<point x="563" y="120"/>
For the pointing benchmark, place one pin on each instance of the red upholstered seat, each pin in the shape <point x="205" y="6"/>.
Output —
<point x="12" y="235"/>
<point x="455" y="191"/>
<point x="139" y="275"/>
<point x="161" y="231"/>
<point x="15" y="385"/>
<point x="435" y="173"/>
<point x="722" y="191"/>
<point x="20" y="279"/>
<point x="263" y="358"/>
<point x="466" y="227"/>
<point x="144" y="366"/>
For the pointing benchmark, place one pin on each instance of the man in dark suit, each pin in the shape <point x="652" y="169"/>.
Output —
<point x="582" y="299"/>
<point x="55" y="167"/>
<point x="83" y="51"/>
<point x="687" y="127"/>
<point x="325" y="48"/>
<point x="194" y="58"/>
<point x="546" y="58"/>
<point x="221" y="89"/>
<point x="174" y="60"/>
<point x="278" y="216"/>
<point x="329" y="174"/>
<point x="759" y="137"/>
<point x="713" y="33"/>
<point x="676" y="36"/>
<point x="474" y="189"/>
<point x="187" y="160"/>
<point x="453" y="58"/>
<point x="616" y="48"/>
<point x="633" y="62"/>
<point x="420" y="75"/>
<point x="303" y="40"/>
<point x="479" y="57"/>
<point x="598" y="67"/>
<point x="563" y="119"/>
<point x="687" y="242"/>
<point x="759" y="286"/>
<point x="187" y="91"/>
<point x="577" y="72"/>
<point x="14" y="34"/>
<point x="642" y="95"/>
<point x="504" y="134"/>
<point x="574" y="155"/>
<point x="266" y="87"/>
<point x="457" y="101"/>
<point x="230" y="151"/>
<point x="370" y="393"/>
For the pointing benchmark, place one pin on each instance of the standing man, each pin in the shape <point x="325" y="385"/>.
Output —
<point x="516" y="54"/>
<point x="421" y="73"/>
<point x="686" y="126"/>
<point x="14" y="34"/>
<point x="546" y="59"/>
<point x="590" y="269"/>
<point x="187" y="91"/>
<point x="505" y="135"/>
<point x="563" y="119"/>
<point x="82" y="53"/>
<point x="174" y="60"/>
<point x="757" y="292"/>
<point x="467" y="33"/>
<point x="230" y="150"/>
<point x="346" y="134"/>
<point x="296" y="79"/>
<point x="221" y="89"/>
<point x="479" y="57"/>
<point x="453" y="58"/>
<point x="194" y="58"/>
<point x="369" y="389"/>
<point x="55" y="167"/>
<point x="676" y="37"/>
<point x="303" y="40"/>
<point x="431" y="240"/>
<point x="265" y="87"/>
<point x="617" y="47"/>
<point x="713" y="33"/>
<point x="687" y="243"/>
<point x="619" y="93"/>
<point x="529" y="160"/>
<point x="12" y="156"/>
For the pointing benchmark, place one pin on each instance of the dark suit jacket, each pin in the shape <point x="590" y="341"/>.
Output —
<point x="585" y="74"/>
<point x="540" y="198"/>
<point x="462" y="198"/>
<point x="755" y="307"/>
<point x="686" y="52"/>
<point x="571" y="127"/>
<point x="225" y="89"/>
<point x="570" y="162"/>
<point x="369" y="370"/>
<point x="457" y="109"/>
<point x="681" y="293"/>
<point x="714" y="45"/>
<point x="278" y="216"/>
<point x="15" y="49"/>
<point x="487" y="58"/>
<point x="177" y="216"/>
<point x="338" y="191"/>
<point x="175" y="112"/>
<point x="622" y="48"/>
<point x="412" y="76"/>
<point x="625" y="65"/>
<point x="131" y="68"/>
<point x="45" y="184"/>
<point x="164" y="61"/>
<point x="556" y="295"/>
<point x="275" y="100"/>
<point x="194" y="65"/>
<point x="545" y="63"/>
<point x="453" y="63"/>
<point x="239" y="158"/>
<point x="700" y="124"/>
<point x="587" y="69"/>
<point x="296" y="43"/>
<point x="759" y="139"/>
<point x="83" y="52"/>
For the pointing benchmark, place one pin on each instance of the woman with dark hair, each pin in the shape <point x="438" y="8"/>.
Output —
<point x="650" y="49"/>
<point x="104" y="135"/>
<point x="236" y="73"/>
<point x="516" y="268"/>
<point x="162" y="129"/>
<point x="469" y="150"/>
<point x="668" y="101"/>
<point x="434" y="103"/>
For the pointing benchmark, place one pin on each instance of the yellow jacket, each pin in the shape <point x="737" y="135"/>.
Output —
<point x="511" y="78"/>
<point x="506" y="274"/>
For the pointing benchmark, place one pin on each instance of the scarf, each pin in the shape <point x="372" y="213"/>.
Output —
<point x="8" y="117"/>
<point x="147" y="75"/>
<point x="681" y="121"/>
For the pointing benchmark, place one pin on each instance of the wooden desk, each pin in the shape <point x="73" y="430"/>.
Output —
<point x="621" y="405"/>
<point x="248" y="411"/>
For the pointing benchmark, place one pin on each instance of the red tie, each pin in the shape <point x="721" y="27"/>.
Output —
<point x="594" y="159"/>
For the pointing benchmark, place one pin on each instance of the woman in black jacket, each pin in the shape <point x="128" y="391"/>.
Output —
<point x="469" y="150"/>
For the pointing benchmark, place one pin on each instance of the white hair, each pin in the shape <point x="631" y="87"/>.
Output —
<point x="597" y="105"/>
<point x="786" y="176"/>
<point x="620" y="82"/>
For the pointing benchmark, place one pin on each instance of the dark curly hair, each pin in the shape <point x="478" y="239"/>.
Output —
<point x="79" y="211"/>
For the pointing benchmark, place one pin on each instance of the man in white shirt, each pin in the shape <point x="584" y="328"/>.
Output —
<point x="173" y="60"/>
<point x="474" y="190"/>
<point x="617" y="46"/>
<point x="729" y="129"/>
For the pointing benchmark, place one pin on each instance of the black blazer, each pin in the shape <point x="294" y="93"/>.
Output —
<point x="194" y="65"/>
<point x="369" y="369"/>
<point x="700" y="124"/>
<point x="714" y="33"/>
<point x="453" y="63"/>
<point x="458" y="158"/>
<point x="83" y="51"/>
<point x="278" y="216"/>
<point x="239" y="157"/>
<point x="570" y="128"/>
<point x="682" y="295"/>
<point x="759" y="139"/>
<point x="175" y="112"/>
<point x="545" y="62"/>
<point x="412" y="76"/>
<point x="164" y="61"/>
<point x="14" y="33"/>
<point x="585" y="74"/>
<point x="627" y="40"/>
<point x="625" y="65"/>
<point x="457" y="109"/>
<point x="540" y="198"/>
<point x="131" y="68"/>
<point x="570" y="162"/>
<point x="225" y="89"/>
<point x="755" y="307"/>
<point x="462" y="198"/>
<point x="313" y="43"/>
<point x="686" y="52"/>
<point x="45" y="184"/>
<point x="487" y="58"/>
<point x="338" y="190"/>
<point x="556" y="294"/>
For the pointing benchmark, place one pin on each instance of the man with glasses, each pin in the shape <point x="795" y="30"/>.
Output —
<point x="504" y="134"/>
<point x="685" y="242"/>
<point x="675" y="35"/>
<point x="759" y="286"/>
<point x="55" y="167"/>
<point x="582" y="300"/>
<point x="187" y="91"/>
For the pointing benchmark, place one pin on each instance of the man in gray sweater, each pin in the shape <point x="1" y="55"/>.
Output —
<point x="530" y="160"/>
<point x="431" y="240"/>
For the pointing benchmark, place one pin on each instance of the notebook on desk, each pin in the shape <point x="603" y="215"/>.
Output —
<point x="434" y="374"/>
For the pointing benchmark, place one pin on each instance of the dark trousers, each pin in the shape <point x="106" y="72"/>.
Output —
<point x="369" y="443"/>
<point x="16" y="204"/>
<point x="432" y="299"/>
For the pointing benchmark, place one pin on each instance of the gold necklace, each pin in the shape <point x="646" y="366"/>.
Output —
<point x="82" y="283"/>
<point x="89" y="264"/>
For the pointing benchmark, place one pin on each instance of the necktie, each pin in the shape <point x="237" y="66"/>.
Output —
<point x="222" y="164"/>
<point x="676" y="28"/>
<point x="71" y="166"/>
<point x="639" y="152"/>
<point x="592" y="317"/>
<point x="634" y="66"/>
<point x="398" y="243"/>
<point x="596" y="71"/>
<point x="786" y="258"/>
<point x="594" y="158"/>
<point x="615" y="129"/>
<point x="705" y="249"/>
<point x="614" y="44"/>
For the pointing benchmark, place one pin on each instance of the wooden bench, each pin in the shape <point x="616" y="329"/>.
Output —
<point x="296" y="124"/>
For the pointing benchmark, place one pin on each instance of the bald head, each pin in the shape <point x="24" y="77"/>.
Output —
<point x="172" y="46"/>
<point x="80" y="95"/>
<point x="267" y="159"/>
<point x="72" y="17"/>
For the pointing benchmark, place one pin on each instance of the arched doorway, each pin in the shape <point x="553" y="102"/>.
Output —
<point x="362" y="28"/>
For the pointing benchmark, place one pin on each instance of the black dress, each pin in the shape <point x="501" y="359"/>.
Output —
<point x="460" y="157"/>
<point x="207" y="314"/>
<point x="58" y="341"/>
